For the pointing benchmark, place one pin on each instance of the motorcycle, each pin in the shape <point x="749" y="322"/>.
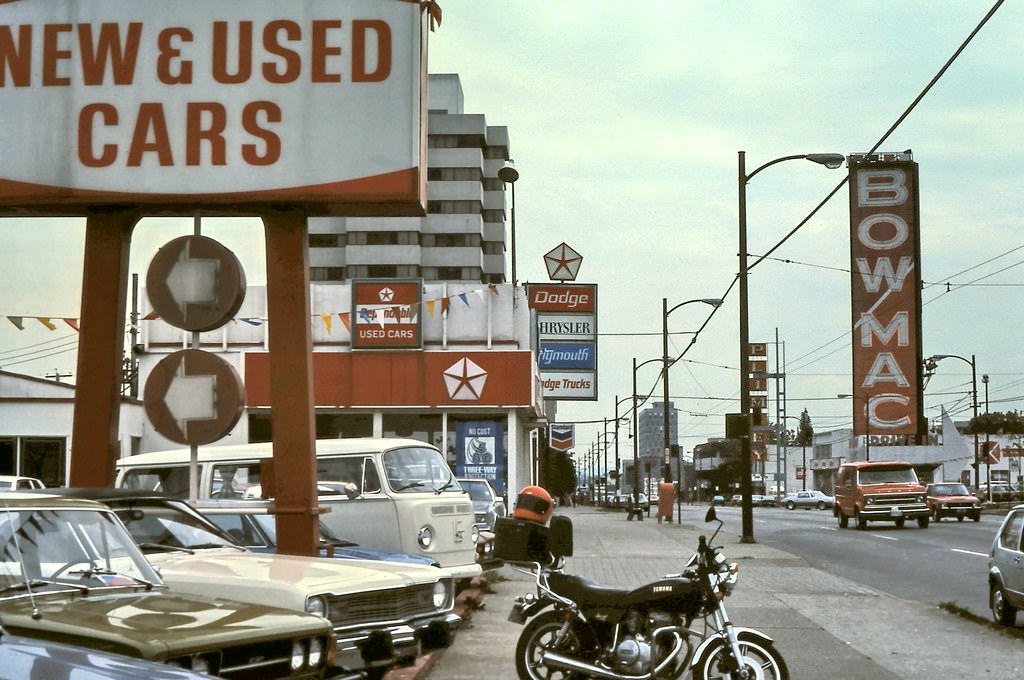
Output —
<point x="575" y="628"/>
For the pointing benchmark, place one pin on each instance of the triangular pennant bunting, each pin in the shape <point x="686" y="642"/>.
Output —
<point x="71" y="322"/>
<point x="46" y="322"/>
<point x="16" y="320"/>
<point x="327" y="322"/>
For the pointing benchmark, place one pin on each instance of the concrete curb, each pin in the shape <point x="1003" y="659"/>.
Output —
<point x="466" y="602"/>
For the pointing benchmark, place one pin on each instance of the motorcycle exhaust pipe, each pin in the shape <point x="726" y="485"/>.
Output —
<point x="565" y="663"/>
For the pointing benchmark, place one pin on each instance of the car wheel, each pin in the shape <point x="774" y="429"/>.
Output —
<point x="844" y="521"/>
<point x="922" y="522"/>
<point x="937" y="516"/>
<point x="861" y="522"/>
<point x="900" y="522"/>
<point x="1002" y="611"/>
<point x="959" y="518"/>
<point x="821" y="505"/>
<point x="977" y="517"/>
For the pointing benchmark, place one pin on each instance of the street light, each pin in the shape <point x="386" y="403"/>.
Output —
<point x="867" y="420"/>
<point x="988" y="460"/>
<point x="636" y="446"/>
<point x="509" y="174"/>
<point x="831" y="161"/>
<point x="665" y="311"/>
<point x="930" y="364"/>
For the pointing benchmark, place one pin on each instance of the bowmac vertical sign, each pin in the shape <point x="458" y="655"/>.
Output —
<point x="886" y="294"/>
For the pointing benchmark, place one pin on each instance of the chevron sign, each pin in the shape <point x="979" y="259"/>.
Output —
<point x="561" y="437"/>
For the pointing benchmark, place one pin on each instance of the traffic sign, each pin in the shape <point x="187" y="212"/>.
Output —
<point x="195" y="283"/>
<point x="193" y="397"/>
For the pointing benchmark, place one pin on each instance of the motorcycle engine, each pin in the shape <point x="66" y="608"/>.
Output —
<point x="633" y="655"/>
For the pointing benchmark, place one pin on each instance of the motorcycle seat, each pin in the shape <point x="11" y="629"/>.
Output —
<point x="587" y="593"/>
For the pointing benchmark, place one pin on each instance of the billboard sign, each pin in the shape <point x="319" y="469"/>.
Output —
<point x="479" y="452"/>
<point x="385" y="314"/>
<point x="566" y="318"/>
<point x="197" y="102"/>
<point x="561" y="436"/>
<point x="573" y="356"/>
<point x="886" y="294"/>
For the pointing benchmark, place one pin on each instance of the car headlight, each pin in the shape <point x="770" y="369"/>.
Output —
<point x="474" y="534"/>
<point x="317" y="604"/>
<point x="440" y="595"/>
<point x="316" y="652"/>
<point x="201" y="665"/>
<point x="920" y="499"/>
<point x="425" y="537"/>
<point x="298" y="655"/>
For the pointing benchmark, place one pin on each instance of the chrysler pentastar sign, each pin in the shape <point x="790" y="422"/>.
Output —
<point x="214" y="102"/>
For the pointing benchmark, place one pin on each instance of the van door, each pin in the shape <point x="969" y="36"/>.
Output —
<point x="360" y="511"/>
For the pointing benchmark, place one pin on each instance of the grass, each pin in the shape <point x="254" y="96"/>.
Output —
<point x="954" y="608"/>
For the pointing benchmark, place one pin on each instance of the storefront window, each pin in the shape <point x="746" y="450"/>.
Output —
<point x="328" y="426"/>
<point x="425" y="428"/>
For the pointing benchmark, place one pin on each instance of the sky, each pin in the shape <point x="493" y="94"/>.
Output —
<point x="625" y="122"/>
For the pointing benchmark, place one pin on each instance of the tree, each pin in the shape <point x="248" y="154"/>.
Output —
<point x="996" y="423"/>
<point x="805" y="431"/>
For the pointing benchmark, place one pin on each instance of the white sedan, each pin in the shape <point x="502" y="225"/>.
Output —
<point x="807" y="499"/>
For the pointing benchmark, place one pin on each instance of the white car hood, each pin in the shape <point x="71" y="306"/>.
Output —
<point x="220" y="568"/>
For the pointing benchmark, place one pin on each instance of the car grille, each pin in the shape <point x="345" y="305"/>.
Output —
<point x="895" y="500"/>
<point x="451" y="509"/>
<point x="397" y="604"/>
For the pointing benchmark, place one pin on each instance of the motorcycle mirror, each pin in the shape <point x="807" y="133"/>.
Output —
<point x="711" y="516"/>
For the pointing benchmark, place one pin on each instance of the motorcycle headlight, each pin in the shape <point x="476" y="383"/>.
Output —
<point x="425" y="537"/>
<point x="317" y="604"/>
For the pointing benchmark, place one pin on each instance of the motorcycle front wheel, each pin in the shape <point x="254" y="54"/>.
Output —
<point x="761" y="661"/>
<point x="540" y="634"/>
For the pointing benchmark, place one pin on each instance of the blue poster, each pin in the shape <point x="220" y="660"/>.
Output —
<point x="479" y="452"/>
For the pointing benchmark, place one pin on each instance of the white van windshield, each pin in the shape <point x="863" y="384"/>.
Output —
<point x="416" y="470"/>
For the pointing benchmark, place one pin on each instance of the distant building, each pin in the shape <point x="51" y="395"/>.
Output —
<point x="463" y="236"/>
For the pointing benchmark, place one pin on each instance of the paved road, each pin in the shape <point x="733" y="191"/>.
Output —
<point x="823" y="625"/>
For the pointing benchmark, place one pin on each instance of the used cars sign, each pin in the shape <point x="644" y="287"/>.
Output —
<point x="318" y="103"/>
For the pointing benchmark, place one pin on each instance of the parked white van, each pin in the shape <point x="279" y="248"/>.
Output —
<point x="393" y="494"/>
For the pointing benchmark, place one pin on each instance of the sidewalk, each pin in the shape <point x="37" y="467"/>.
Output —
<point x="822" y="624"/>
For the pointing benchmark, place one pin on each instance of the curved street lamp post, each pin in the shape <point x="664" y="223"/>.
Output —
<point x="831" y="161"/>
<point x="636" y="446"/>
<point x="930" y="364"/>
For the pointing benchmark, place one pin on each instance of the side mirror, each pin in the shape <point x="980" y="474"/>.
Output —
<point x="351" y="490"/>
<point x="711" y="515"/>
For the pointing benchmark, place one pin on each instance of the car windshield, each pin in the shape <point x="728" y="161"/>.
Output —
<point x="171" y="527"/>
<point x="415" y="469"/>
<point x="83" y="548"/>
<point x="949" y="490"/>
<point x="478" y="491"/>
<point x="887" y="475"/>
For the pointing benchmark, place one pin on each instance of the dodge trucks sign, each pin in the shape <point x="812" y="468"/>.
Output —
<point x="168" y="104"/>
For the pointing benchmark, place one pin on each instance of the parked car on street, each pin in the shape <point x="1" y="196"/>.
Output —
<point x="23" y="658"/>
<point x="1005" y="570"/>
<point x="952" y="499"/>
<point x="736" y="500"/>
<point x="487" y="504"/>
<point x="251" y="524"/>
<point x="811" y="498"/>
<point x="70" y="572"/>
<point x="622" y="501"/>
<point x="1001" y="492"/>
<point x="383" y="614"/>
<point x="15" y="483"/>
<point x="763" y="501"/>
<point x="718" y="500"/>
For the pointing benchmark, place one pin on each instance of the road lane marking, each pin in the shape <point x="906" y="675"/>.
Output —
<point x="969" y="552"/>
<point x="888" y="538"/>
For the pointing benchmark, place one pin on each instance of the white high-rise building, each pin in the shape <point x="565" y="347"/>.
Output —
<point x="462" y="237"/>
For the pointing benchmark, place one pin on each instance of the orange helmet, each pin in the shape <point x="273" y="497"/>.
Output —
<point x="535" y="504"/>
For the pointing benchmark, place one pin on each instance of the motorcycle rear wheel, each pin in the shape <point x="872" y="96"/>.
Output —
<point x="539" y="635"/>
<point x="761" y="660"/>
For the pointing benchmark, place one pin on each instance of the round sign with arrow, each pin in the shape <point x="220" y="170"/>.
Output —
<point x="193" y="397"/>
<point x="195" y="283"/>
